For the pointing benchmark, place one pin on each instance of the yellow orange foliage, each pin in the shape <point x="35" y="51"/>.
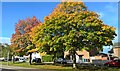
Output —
<point x="33" y="50"/>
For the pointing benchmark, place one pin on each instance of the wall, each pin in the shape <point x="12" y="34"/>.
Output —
<point x="116" y="51"/>
<point x="84" y="53"/>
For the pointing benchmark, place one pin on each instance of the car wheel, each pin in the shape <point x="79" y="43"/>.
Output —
<point x="108" y="65"/>
<point x="95" y="65"/>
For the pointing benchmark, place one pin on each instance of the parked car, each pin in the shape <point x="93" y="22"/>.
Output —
<point x="8" y="59"/>
<point x="21" y="59"/>
<point x="2" y="59"/>
<point x="36" y="60"/>
<point x="16" y="59"/>
<point x="115" y="63"/>
<point x="61" y="61"/>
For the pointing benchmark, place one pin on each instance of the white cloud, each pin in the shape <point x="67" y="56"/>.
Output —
<point x="101" y="14"/>
<point x="5" y="40"/>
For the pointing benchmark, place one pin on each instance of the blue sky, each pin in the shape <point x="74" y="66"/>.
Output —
<point x="13" y="11"/>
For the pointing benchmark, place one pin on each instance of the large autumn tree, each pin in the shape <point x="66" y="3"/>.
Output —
<point x="70" y="27"/>
<point x="21" y="41"/>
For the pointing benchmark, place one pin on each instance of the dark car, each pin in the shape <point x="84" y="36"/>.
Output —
<point x="37" y="60"/>
<point x="115" y="63"/>
<point x="16" y="59"/>
<point x="61" y="61"/>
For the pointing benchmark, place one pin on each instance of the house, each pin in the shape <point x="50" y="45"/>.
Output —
<point x="99" y="56"/>
<point x="82" y="56"/>
<point x="115" y="51"/>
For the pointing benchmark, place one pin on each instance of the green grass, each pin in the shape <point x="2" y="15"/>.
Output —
<point x="62" y="67"/>
<point x="45" y="66"/>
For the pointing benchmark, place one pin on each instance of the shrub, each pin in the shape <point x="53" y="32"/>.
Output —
<point x="47" y="58"/>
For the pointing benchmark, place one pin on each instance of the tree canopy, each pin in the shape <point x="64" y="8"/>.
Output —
<point x="20" y="39"/>
<point x="71" y="27"/>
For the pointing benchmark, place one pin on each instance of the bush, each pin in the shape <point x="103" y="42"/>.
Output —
<point x="47" y="58"/>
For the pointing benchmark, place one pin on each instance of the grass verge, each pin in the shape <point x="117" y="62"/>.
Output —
<point x="61" y="67"/>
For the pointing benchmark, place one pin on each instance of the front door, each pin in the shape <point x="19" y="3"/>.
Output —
<point x="80" y="58"/>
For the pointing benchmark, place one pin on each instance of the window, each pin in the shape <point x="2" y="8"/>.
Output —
<point x="86" y="60"/>
<point x="119" y="60"/>
<point x="115" y="60"/>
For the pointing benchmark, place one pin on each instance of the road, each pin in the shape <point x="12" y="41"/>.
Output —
<point x="15" y="68"/>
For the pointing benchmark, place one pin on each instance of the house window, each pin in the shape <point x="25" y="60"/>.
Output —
<point x="86" y="60"/>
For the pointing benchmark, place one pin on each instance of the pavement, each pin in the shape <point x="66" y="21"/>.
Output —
<point x="16" y="68"/>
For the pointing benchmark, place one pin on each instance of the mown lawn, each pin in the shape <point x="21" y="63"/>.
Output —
<point x="62" y="67"/>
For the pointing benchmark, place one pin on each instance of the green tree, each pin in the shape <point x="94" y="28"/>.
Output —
<point x="1" y="46"/>
<point x="71" y="27"/>
<point x="5" y="51"/>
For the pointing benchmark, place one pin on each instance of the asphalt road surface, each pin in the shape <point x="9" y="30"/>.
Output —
<point x="24" y="70"/>
<point x="14" y="68"/>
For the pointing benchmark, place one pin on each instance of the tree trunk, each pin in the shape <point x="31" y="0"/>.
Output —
<point x="74" y="60"/>
<point x="54" y="57"/>
<point x="30" y="58"/>
<point x="13" y="58"/>
<point x="63" y="52"/>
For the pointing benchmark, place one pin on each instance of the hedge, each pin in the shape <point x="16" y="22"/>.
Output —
<point x="47" y="58"/>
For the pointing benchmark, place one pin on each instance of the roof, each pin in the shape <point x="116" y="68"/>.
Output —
<point x="102" y="54"/>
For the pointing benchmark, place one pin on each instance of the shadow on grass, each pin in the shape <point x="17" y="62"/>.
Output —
<point x="97" y="68"/>
<point x="56" y="64"/>
<point x="42" y="64"/>
<point x="7" y="70"/>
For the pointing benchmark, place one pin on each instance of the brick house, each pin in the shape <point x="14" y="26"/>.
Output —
<point x="82" y="55"/>
<point x="100" y="56"/>
<point x="115" y="51"/>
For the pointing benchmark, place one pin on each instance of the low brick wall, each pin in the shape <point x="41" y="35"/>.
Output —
<point x="99" y="62"/>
